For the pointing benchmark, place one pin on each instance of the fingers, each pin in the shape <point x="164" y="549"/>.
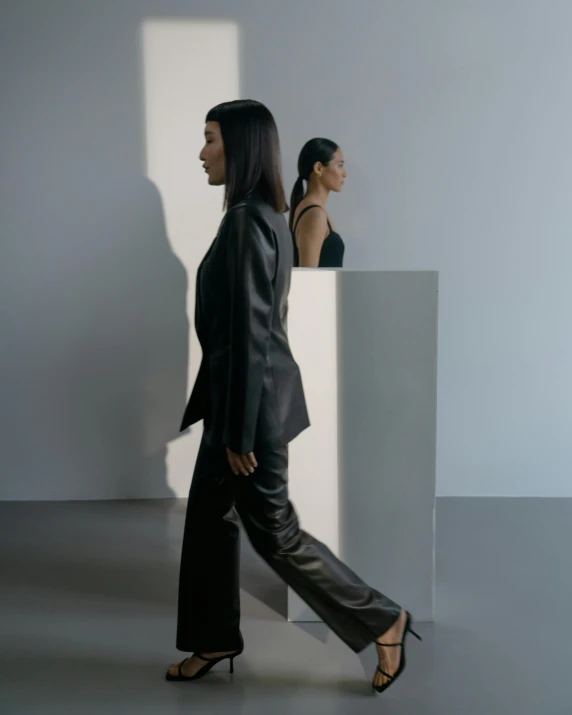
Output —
<point x="245" y="463"/>
<point x="241" y="463"/>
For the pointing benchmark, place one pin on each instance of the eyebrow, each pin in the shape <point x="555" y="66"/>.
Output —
<point x="209" y="132"/>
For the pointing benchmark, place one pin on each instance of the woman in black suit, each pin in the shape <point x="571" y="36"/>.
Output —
<point x="249" y="393"/>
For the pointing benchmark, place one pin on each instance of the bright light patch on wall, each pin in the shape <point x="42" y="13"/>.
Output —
<point x="188" y="67"/>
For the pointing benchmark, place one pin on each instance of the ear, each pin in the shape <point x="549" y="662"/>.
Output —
<point x="318" y="168"/>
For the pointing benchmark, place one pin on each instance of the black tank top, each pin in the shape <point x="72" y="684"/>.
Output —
<point x="332" y="253"/>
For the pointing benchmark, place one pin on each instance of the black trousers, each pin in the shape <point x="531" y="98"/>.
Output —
<point x="209" y="602"/>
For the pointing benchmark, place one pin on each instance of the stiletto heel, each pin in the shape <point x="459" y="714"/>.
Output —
<point x="401" y="668"/>
<point x="209" y="663"/>
<point x="416" y="635"/>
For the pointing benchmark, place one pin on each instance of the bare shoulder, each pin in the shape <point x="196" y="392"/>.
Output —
<point x="304" y="204"/>
<point x="314" y="222"/>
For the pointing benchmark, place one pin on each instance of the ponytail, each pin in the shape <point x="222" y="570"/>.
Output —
<point x="295" y="199"/>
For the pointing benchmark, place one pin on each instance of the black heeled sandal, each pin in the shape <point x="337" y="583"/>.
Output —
<point x="209" y="663"/>
<point x="401" y="668"/>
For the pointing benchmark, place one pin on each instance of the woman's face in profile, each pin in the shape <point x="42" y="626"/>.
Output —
<point x="334" y="174"/>
<point x="212" y="154"/>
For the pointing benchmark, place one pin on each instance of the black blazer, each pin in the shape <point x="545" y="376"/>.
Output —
<point x="249" y="388"/>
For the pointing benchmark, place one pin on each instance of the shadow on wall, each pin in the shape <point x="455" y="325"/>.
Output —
<point x="95" y="370"/>
<point x="94" y="327"/>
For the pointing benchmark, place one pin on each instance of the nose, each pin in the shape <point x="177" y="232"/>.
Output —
<point x="202" y="155"/>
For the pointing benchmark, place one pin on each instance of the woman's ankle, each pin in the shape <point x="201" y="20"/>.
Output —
<point x="395" y="628"/>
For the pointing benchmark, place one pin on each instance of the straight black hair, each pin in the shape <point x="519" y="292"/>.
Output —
<point x="251" y="152"/>
<point x="318" y="149"/>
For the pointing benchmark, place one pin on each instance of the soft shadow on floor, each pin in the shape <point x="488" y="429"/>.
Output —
<point x="258" y="579"/>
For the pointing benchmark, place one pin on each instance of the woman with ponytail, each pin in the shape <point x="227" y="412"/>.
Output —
<point x="316" y="242"/>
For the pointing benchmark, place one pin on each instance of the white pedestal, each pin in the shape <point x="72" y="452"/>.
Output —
<point x="362" y="477"/>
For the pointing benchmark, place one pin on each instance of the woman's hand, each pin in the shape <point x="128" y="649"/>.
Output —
<point x="241" y="463"/>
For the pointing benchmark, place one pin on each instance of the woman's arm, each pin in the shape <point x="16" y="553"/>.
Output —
<point x="310" y="235"/>
<point x="251" y="264"/>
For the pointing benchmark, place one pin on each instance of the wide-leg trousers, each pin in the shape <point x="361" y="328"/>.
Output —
<point x="209" y="601"/>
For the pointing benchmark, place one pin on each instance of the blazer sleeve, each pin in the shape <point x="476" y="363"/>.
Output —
<point x="251" y="265"/>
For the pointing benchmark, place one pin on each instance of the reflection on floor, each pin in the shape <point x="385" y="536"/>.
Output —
<point x="88" y="604"/>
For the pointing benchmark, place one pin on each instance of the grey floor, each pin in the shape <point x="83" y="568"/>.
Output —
<point x="88" y="606"/>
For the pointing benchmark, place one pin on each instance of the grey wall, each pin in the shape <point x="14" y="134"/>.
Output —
<point x="454" y="116"/>
<point x="93" y="327"/>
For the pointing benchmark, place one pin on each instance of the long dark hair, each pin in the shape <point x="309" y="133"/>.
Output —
<point x="251" y="152"/>
<point x="315" y="150"/>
